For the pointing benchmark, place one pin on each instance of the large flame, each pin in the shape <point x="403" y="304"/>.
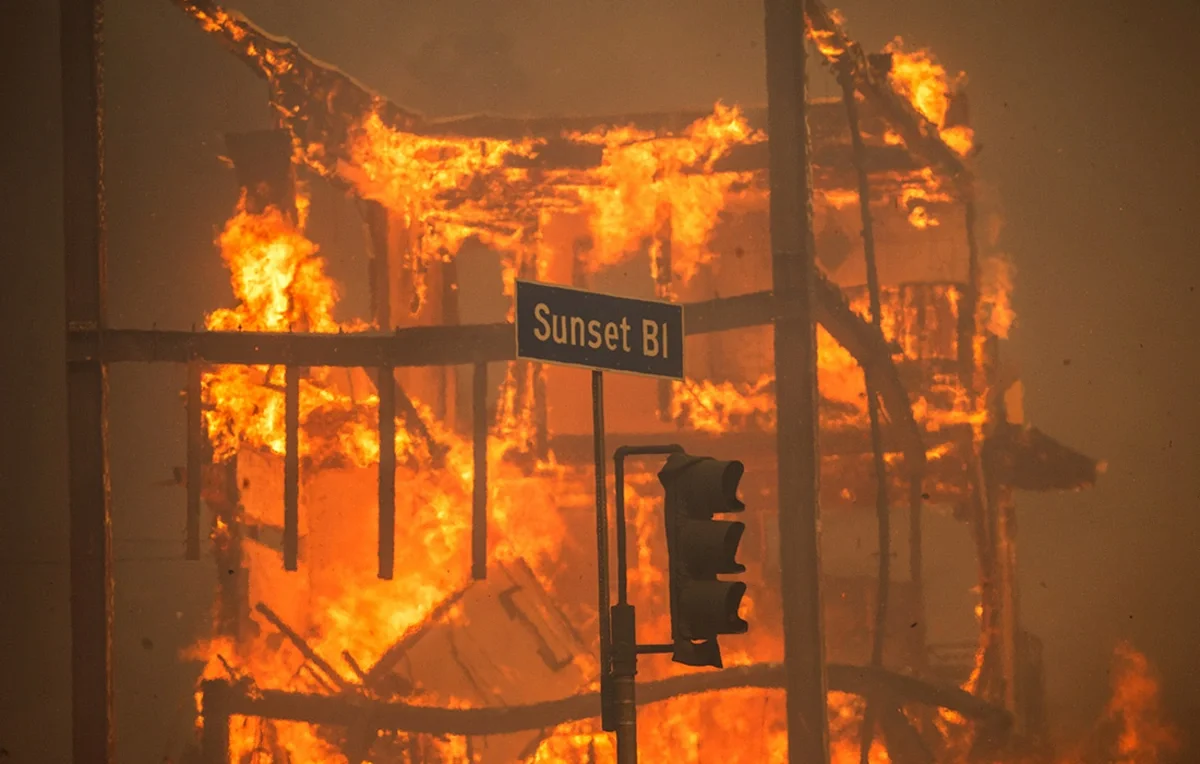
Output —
<point x="641" y="173"/>
<point x="648" y="190"/>
<point x="919" y="77"/>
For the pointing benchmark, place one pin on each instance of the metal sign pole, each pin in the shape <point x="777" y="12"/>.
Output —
<point x="605" y="332"/>
<point x="607" y="722"/>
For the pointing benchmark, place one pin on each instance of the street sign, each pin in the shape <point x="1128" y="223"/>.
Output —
<point x="573" y="327"/>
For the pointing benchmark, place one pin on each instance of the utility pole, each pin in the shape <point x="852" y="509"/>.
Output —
<point x="87" y="384"/>
<point x="792" y="261"/>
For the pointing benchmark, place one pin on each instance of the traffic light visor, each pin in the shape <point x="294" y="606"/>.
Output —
<point x="709" y="608"/>
<point x="710" y="546"/>
<point x="707" y="486"/>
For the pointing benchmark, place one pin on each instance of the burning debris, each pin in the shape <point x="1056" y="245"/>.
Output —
<point x="472" y="647"/>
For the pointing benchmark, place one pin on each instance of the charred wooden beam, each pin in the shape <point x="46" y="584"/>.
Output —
<point x="882" y="508"/>
<point x="833" y="312"/>
<point x="378" y="673"/>
<point x="224" y="502"/>
<point x="967" y="320"/>
<point x="830" y="159"/>
<point x="468" y="344"/>
<point x="920" y="135"/>
<point x="413" y="346"/>
<point x="322" y="105"/>
<point x="387" y="473"/>
<point x="194" y="473"/>
<point x="341" y="711"/>
<point x="375" y="220"/>
<point x="866" y="343"/>
<point x="479" y="495"/>
<point x="84" y="260"/>
<point x="216" y="701"/>
<point x="661" y="254"/>
<point x="296" y="79"/>
<point x="453" y="345"/>
<point x="291" y="469"/>
<point x="305" y="649"/>
<point x="904" y="743"/>
<point x="1029" y="460"/>
<point x="571" y="449"/>
<point x="416" y="425"/>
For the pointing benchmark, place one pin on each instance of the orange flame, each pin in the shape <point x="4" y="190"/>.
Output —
<point x="1135" y="712"/>
<point x="923" y="81"/>
<point x="640" y="173"/>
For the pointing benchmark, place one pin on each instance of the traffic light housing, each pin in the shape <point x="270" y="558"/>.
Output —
<point x="700" y="549"/>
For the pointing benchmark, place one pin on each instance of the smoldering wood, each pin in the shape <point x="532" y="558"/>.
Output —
<point x="328" y="672"/>
<point x="387" y="473"/>
<point x="991" y="722"/>
<point x="412" y="346"/>
<point x="379" y="673"/>
<point x="920" y="135"/>
<point x="216" y="699"/>
<point x="375" y="220"/>
<point x="575" y="449"/>
<point x="663" y="238"/>
<point x="479" y="485"/>
<point x="882" y="508"/>
<point x="223" y="500"/>
<point x="291" y="469"/>
<point x="904" y="743"/>
<point x="197" y="456"/>
<point x="1029" y="460"/>
<point x="967" y="320"/>
<point x="416" y="425"/>
<point x="332" y="103"/>
<point x="833" y="312"/>
<point x="481" y="343"/>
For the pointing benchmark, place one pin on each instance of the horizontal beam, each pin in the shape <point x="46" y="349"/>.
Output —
<point x="450" y="345"/>
<point x="454" y="345"/>
<point x="575" y="448"/>
<point x="342" y="711"/>
<point x="414" y="346"/>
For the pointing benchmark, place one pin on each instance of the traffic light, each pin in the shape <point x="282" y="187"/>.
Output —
<point x="700" y="549"/>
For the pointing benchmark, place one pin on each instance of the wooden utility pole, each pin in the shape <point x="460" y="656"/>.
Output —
<point x="793" y="270"/>
<point x="87" y="384"/>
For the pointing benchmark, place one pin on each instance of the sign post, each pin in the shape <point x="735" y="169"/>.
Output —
<point x="601" y="332"/>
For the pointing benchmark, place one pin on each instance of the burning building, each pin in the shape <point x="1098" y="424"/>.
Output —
<point x="401" y="510"/>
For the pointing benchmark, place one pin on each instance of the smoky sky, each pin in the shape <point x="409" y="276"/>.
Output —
<point x="1085" y="112"/>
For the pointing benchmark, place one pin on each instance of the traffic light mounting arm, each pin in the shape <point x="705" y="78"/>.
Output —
<point x="619" y="457"/>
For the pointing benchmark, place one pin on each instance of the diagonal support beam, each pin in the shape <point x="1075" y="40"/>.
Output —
<point x="920" y="135"/>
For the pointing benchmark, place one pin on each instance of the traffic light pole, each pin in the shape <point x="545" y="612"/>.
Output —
<point x="624" y="622"/>
<point x="607" y="721"/>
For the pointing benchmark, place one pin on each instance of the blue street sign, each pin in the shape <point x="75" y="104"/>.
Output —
<point x="598" y="331"/>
